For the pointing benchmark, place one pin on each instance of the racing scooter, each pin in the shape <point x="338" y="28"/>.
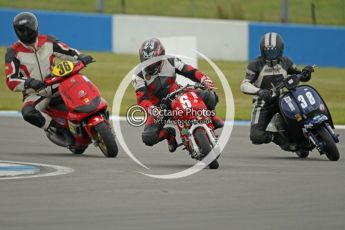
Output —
<point x="80" y="112"/>
<point x="189" y="113"/>
<point x="305" y="119"/>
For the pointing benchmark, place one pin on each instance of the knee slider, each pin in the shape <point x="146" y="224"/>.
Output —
<point x="256" y="140"/>
<point x="32" y="116"/>
<point x="260" y="137"/>
<point x="150" y="137"/>
<point x="210" y="98"/>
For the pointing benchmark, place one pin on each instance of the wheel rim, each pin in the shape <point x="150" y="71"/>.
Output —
<point x="101" y="143"/>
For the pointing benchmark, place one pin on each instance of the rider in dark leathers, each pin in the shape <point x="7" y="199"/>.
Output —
<point x="262" y="74"/>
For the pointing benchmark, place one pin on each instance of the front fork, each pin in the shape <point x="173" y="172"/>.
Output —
<point x="313" y="139"/>
<point x="92" y="122"/>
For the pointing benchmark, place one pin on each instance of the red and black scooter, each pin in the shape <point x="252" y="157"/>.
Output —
<point x="80" y="111"/>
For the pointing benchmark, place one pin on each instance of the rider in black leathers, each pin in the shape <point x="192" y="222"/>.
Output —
<point x="262" y="74"/>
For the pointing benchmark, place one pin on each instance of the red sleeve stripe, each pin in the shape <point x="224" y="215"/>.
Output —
<point x="190" y="68"/>
<point x="146" y="104"/>
<point x="12" y="83"/>
<point x="25" y="70"/>
<point x="63" y="46"/>
<point x="139" y="95"/>
<point x="9" y="69"/>
<point x="198" y="75"/>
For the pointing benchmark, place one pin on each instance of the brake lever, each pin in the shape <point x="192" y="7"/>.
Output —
<point x="273" y="93"/>
<point x="274" y="89"/>
<point x="201" y="86"/>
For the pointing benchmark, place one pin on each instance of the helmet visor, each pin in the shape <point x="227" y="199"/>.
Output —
<point x="272" y="53"/>
<point x="26" y="34"/>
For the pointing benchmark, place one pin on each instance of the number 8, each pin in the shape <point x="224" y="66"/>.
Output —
<point x="310" y="97"/>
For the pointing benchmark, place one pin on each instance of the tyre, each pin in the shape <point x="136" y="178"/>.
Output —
<point x="77" y="151"/>
<point x="105" y="139"/>
<point x="302" y="153"/>
<point x="204" y="145"/>
<point x="329" y="146"/>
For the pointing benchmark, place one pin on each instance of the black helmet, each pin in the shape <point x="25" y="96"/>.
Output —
<point x="271" y="46"/>
<point x="25" y="25"/>
<point x="149" y="49"/>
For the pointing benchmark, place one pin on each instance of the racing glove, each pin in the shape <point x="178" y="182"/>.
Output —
<point x="86" y="59"/>
<point x="32" y="83"/>
<point x="207" y="82"/>
<point x="264" y="94"/>
<point x="306" y="73"/>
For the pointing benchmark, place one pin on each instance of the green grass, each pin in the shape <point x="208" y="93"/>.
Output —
<point x="331" y="12"/>
<point x="111" y="68"/>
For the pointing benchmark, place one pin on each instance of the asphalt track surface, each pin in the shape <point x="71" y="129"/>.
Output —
<point x="256" y="187"/>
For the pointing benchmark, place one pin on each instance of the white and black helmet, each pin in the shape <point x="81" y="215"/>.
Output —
<point x="25" y="25"/>
<point x="272" y="46"/>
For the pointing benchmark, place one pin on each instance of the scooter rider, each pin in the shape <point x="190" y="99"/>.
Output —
<point x="158" y="79"/>
<point x="29" y="61"/>
<point x="262" y="73"/>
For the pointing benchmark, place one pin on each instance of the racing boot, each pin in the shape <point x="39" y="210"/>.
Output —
<point x="302" y="153"/>
<point x="283" y="141"/>
<point x="172" y="143"/>
<point x="58" y="134"/>
<point x="217" y="122"/>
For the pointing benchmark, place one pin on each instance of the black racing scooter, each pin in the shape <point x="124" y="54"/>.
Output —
<point x="305" y="119"/>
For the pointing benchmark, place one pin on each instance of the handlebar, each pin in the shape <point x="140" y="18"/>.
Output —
<point x="53" y="79"/>
<point x="290" y="83"/>
<point x="171" y="96"/>
<point x="291" y="80"/>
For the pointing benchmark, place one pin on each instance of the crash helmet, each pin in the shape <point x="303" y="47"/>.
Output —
<point x="25" y="25"/>
<point x="271" y="47"/>
<point x="149" y="49"/>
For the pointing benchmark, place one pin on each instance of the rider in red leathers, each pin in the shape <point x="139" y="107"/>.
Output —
<point x="155" y="79"/>
<point x="29" y="61"/>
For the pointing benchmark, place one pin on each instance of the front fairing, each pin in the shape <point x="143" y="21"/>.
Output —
<point x="80" y="94"/>
<point x="189" y="106"/>
<point x="302" y="107"/>
<point x="188" y="109"/>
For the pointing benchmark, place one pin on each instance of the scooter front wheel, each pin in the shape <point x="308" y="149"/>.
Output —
<point x="105" y="139"/>
<point x="329" y="148"/>
<point x="205" y="146"/>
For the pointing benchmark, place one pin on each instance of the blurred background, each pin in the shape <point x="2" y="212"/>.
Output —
<point x="322" y="12"/>
<point x="227" y="31"/>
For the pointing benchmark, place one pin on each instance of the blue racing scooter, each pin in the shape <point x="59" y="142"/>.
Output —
<point x="305" y="119"/>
